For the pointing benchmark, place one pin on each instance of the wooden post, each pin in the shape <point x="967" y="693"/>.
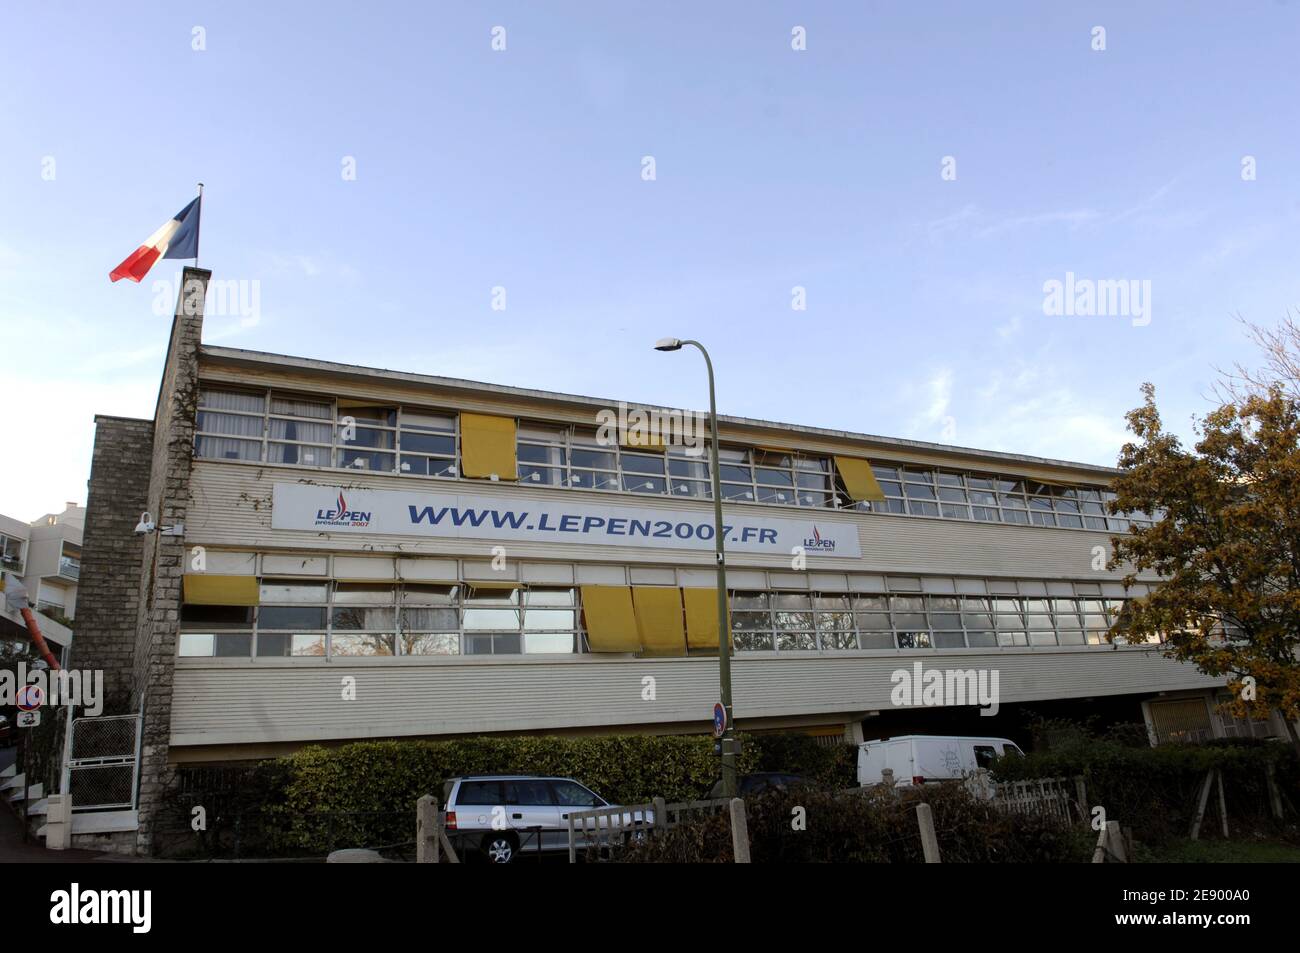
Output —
<point x="661" y="814"/>
<point x="1081" y="792"/>
<point x="1099" y="852"/>
<point x="929" y="842"/>
<point x="573" y="842"/>
<point x="1115" y="838"/>
<point x="1274" y="798"/>
<point x="739" y="831"/>
<point x="444" y="842"/>
<point x="426" y="830"/>
<point x="1200" y="809"/>
<point x="1223" y="803"/>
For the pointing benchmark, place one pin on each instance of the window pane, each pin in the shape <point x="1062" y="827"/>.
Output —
<point x="430" y="643"/>
<point x="367" y="619"/>
<point x="552" y="644"/>
<point x="293" y="407"/>
<point x="299" y="430"/>
<point x="216" y="618"/>
<point x="291" y="617"/>
<point x="227" y="448"/>
<point x="360" y="645"/>
<point x="537" y="620"/>
<point x="195" y="644"/>
<point x="425" y="619"/>
<point x="424" y="595"/>
<point x="234" y="424"/>
<point x="281" y="590"/>
<point x="231" y="400"/>
<point x="481" y="619"/>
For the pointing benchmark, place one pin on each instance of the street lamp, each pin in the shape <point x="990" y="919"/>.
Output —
<point x="724" y="629"/>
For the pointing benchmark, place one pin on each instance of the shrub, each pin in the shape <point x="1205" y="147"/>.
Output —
<point x="364" y="793"/>
<point x="873" y="826"/>
<point x="1156" y="790"/>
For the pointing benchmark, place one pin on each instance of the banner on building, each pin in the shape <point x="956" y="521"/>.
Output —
<point x="318" y="509"/>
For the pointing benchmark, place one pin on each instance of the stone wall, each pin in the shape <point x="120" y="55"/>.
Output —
<point x="117" y="493"/>
<point x="132" y="585"/>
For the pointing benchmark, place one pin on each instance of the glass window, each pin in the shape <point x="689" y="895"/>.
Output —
<point x="573" y="794"/>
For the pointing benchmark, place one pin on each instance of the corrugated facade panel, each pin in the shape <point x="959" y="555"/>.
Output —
<point x="231" y="506"/>
<point x="227" y="702"/>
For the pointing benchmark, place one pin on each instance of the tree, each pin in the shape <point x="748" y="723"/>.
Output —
<point x="1227" y="547"/>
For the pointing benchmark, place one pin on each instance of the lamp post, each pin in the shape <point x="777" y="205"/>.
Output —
<point x="724" y="629"/>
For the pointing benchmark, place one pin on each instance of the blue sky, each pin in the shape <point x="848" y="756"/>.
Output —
<point x="775" y="168"/>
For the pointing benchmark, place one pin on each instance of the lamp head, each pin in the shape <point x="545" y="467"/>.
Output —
<point x="668" y="344"/>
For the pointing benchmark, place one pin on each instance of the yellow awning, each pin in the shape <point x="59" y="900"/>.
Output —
<point x="214" y="590"/>
<point x="702" y="618"/>
<point x="659" y="619"/>
<point x="610" y="620"/>
<point x="493" y="586"/>
<point x="859" y="480"/>
<point x="641" y="441"/>
<point x="487" y="446"/>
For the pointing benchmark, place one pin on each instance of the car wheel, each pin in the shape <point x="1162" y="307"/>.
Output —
<point x="500" y="848"/>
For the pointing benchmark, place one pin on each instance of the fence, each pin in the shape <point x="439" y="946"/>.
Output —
<point x="1062" y="798"/>
<point x="605" y="827"/>
<point x="101" y="767"/>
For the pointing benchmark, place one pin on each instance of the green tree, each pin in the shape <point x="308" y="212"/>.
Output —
<point x="1227" y="547"/>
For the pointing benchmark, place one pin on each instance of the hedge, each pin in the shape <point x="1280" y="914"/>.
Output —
<point x="874" y="826"/>
<point x="364" y="793"/>
<point x="1156" y="790"/>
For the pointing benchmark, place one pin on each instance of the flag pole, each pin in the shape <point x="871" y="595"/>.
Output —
<point x="198" y="227"/>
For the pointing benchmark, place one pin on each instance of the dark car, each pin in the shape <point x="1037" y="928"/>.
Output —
<point x="763" y="781"/>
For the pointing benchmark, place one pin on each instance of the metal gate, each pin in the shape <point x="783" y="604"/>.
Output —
<point x="101" y="768"/>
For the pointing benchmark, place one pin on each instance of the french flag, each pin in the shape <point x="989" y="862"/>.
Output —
<point x="178" y="238"/>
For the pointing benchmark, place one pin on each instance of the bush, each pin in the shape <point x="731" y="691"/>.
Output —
<point x="1155" y="791"/>
<point x="874" y="826"/>
<point x="364" y="793"/>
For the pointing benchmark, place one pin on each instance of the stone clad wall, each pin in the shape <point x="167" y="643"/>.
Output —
<point x="109" y="592"/>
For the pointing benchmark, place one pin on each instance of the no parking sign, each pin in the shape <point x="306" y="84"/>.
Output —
<point x="30" y="698"/>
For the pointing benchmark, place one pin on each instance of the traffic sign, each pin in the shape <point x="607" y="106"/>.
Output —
<point x="719" y="720"/>
<point x="30" y="697"/>
<point x="29" y="719"/>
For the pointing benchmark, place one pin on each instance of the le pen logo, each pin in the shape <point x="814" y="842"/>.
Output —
<point x="77" y="906"/>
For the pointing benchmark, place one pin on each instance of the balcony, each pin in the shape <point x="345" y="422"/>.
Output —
<point x="69" y="568"/>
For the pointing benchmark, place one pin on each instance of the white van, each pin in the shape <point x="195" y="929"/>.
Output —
<point x="921" y="759"/>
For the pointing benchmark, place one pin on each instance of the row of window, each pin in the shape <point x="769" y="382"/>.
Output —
<point x="292" y="430"/>
<point x="298" y="618"/>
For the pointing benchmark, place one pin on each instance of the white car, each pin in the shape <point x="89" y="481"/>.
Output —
<point x="505" y="815"/>
<point x="923" y="759"/>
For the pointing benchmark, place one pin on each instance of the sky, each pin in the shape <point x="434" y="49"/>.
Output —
<point x="376" y="173"/>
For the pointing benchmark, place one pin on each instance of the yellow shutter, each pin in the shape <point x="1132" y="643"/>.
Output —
<point x="702" y="618"/>
<point x="205" y="590"/>
<point x="487" y="446"/>
<point x="642" y="441"/>
<point x="659" y="619"/>
<point x="859" y="480"/>
<point x="610" y="620"/>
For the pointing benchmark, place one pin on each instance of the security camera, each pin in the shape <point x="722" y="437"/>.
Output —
<point x="146" y="524"/>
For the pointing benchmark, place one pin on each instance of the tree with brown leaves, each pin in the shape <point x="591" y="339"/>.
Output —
<point x="1227" y="548"/>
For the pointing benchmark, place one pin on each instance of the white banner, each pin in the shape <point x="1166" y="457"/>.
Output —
<point x="330" y="509"/>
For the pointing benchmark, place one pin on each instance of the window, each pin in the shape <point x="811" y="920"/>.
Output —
<point x="573" y="794"/>
<point x="363" y="620"/>
<point x="480" y="793"/>
<point x="366" y="437"/>
<point x="292" y="618"/>
<point x="430" y="620"/>
<point x="298" y="431"/>
<point x="216" y="631"/>
<point x="11" y="553"/>
<point x="229" y="425"/>
<point x="793" y="621"/>
<point x="751" y="622"/>
<point x="427" y="443"/>
<point x="543" y="455"/>
<point x="985" y="755"/>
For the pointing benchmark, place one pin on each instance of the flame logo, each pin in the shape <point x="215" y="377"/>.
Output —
<point x="342" y="505"/>
<point x="816" y="535"/>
